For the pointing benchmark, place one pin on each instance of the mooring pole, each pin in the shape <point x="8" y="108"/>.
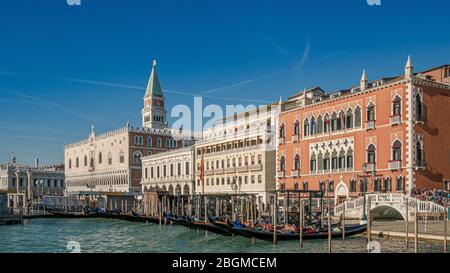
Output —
<point x="369" y="219"/>
<point x="445" y="229"/>
<point x="301" y="220"/>
<point x="275" y="219"/>
<point x="329" y="224"/>
<point x="343" y="224"/>
<point x="416" y="230"/>
<point x="206" y="213"/>
<point x="407" y="224"/>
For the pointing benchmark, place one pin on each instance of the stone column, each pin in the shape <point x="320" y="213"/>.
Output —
<point x="17" y="181"/>
<point x="29" y="176"/>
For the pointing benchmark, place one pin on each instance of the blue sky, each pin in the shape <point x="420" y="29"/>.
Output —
<point x="63" y="68"/>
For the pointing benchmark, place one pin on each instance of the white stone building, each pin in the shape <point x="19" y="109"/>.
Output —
<point x="239" y="155"/>
<point x="33" y="181"/>
<point x="171" y="171"/>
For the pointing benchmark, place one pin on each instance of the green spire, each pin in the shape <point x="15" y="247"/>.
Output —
<point x="154" y="86"/>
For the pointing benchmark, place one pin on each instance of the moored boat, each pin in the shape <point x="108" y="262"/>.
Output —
<point x="282" y="235"/>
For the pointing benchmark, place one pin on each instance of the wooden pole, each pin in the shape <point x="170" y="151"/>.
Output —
<point x="445" y="229"/>
<point x="416" y="230"/>
<point x="206" y="213"/>
<point x="329" y="224"/>
<point x="275" y="219"/>
<point x="322" y="216"/>
<point x="369" y="219"/>
<point x="233" y="216"/>
<point x="301" y="221"/>
<point x="259" y="211"/>
<point x="343" y="224"/>
<point x="407" y="225"/>
<point x="252" y="216"/>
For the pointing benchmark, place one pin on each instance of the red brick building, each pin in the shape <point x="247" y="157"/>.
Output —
<point x="389" y="135"/>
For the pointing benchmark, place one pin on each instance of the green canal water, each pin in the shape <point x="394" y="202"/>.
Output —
<point x="106" y="235"/>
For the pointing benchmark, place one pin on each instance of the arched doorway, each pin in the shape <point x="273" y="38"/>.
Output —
<point x="341" y="193"/>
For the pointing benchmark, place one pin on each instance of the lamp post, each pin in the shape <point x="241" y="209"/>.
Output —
<point x="364" y="185"/>
<point x="236" y="187"/>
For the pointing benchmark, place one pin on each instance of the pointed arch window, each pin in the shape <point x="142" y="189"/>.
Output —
<point x="297" y="162"/>
<point x="77" y="162"/>
<point x="371" y="154"/>
<point x="305" y="185"/>
<point x="312" y="127"/>
<point x="320" y="161"/>
<point x="319" y="125"/>
<point x="341" y="121"/>
<point x="149" y="142"/>
<point x="420" y="156"/>
<point x="100" y="158"/>
<point x="350" y="159"/>
<point x="296" y="128"/>
<point x="397" y="151"/>
<point x="313" y="161"/>
<point x="282" y="132"/>
<point x="349" y="119"/>
<point x="334" y="160"/>
<point x="371" y="112"/>
<point x="353" y="185"/>
<point x="158" y="142"/>
<point x="306" y="128"/>
<point x="70" y="163"/>
<point x="334" y="122"/>
<point x="341" y="160"/>
<point x="326" y="162"/>
<point x="419" y="108"/>
<point x="85" y="161"/>
<point x="282" y="164"/>
<point x="327" y="124"/>
<point x="397" y="106"/>
<point x="358" y="117"/>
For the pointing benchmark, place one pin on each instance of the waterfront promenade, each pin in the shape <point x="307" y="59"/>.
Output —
<point x="431" y="230"/>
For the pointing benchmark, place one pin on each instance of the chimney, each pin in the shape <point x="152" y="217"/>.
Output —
<point x="364" y="83"/>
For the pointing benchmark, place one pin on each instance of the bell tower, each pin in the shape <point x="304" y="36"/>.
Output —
<point x="154" y="111"/>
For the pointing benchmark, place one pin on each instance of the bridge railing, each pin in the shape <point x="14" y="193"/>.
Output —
<point x="392" y="199"/>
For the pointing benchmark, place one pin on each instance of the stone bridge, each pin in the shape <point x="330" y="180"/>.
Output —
<point x="387" y="206"/>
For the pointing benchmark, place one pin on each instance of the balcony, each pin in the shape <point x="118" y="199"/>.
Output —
<point x="219" y="171"/>
<point x="282" y="140"/>
<point x="370" y="167"/>
<point x="230" y="170"/>
<point x="395" y="165"/>
<point x="295" y="173"/>
<point x="370" y="124"/>
<point x="282" y="174"/>
<point x="396" y="120"/>
<point x="253" y="168"/>
<point x="421" y="164"/>
<point x="241" y="169"/>
<point x="295" y="138"/>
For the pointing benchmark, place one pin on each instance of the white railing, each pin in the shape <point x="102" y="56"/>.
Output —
<point x="393" y="199"/>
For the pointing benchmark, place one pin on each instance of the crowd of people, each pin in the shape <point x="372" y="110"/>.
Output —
<point x="437" y="196"/>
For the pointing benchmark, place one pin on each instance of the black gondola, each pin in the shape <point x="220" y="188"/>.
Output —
<point x="291" y="235"/>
